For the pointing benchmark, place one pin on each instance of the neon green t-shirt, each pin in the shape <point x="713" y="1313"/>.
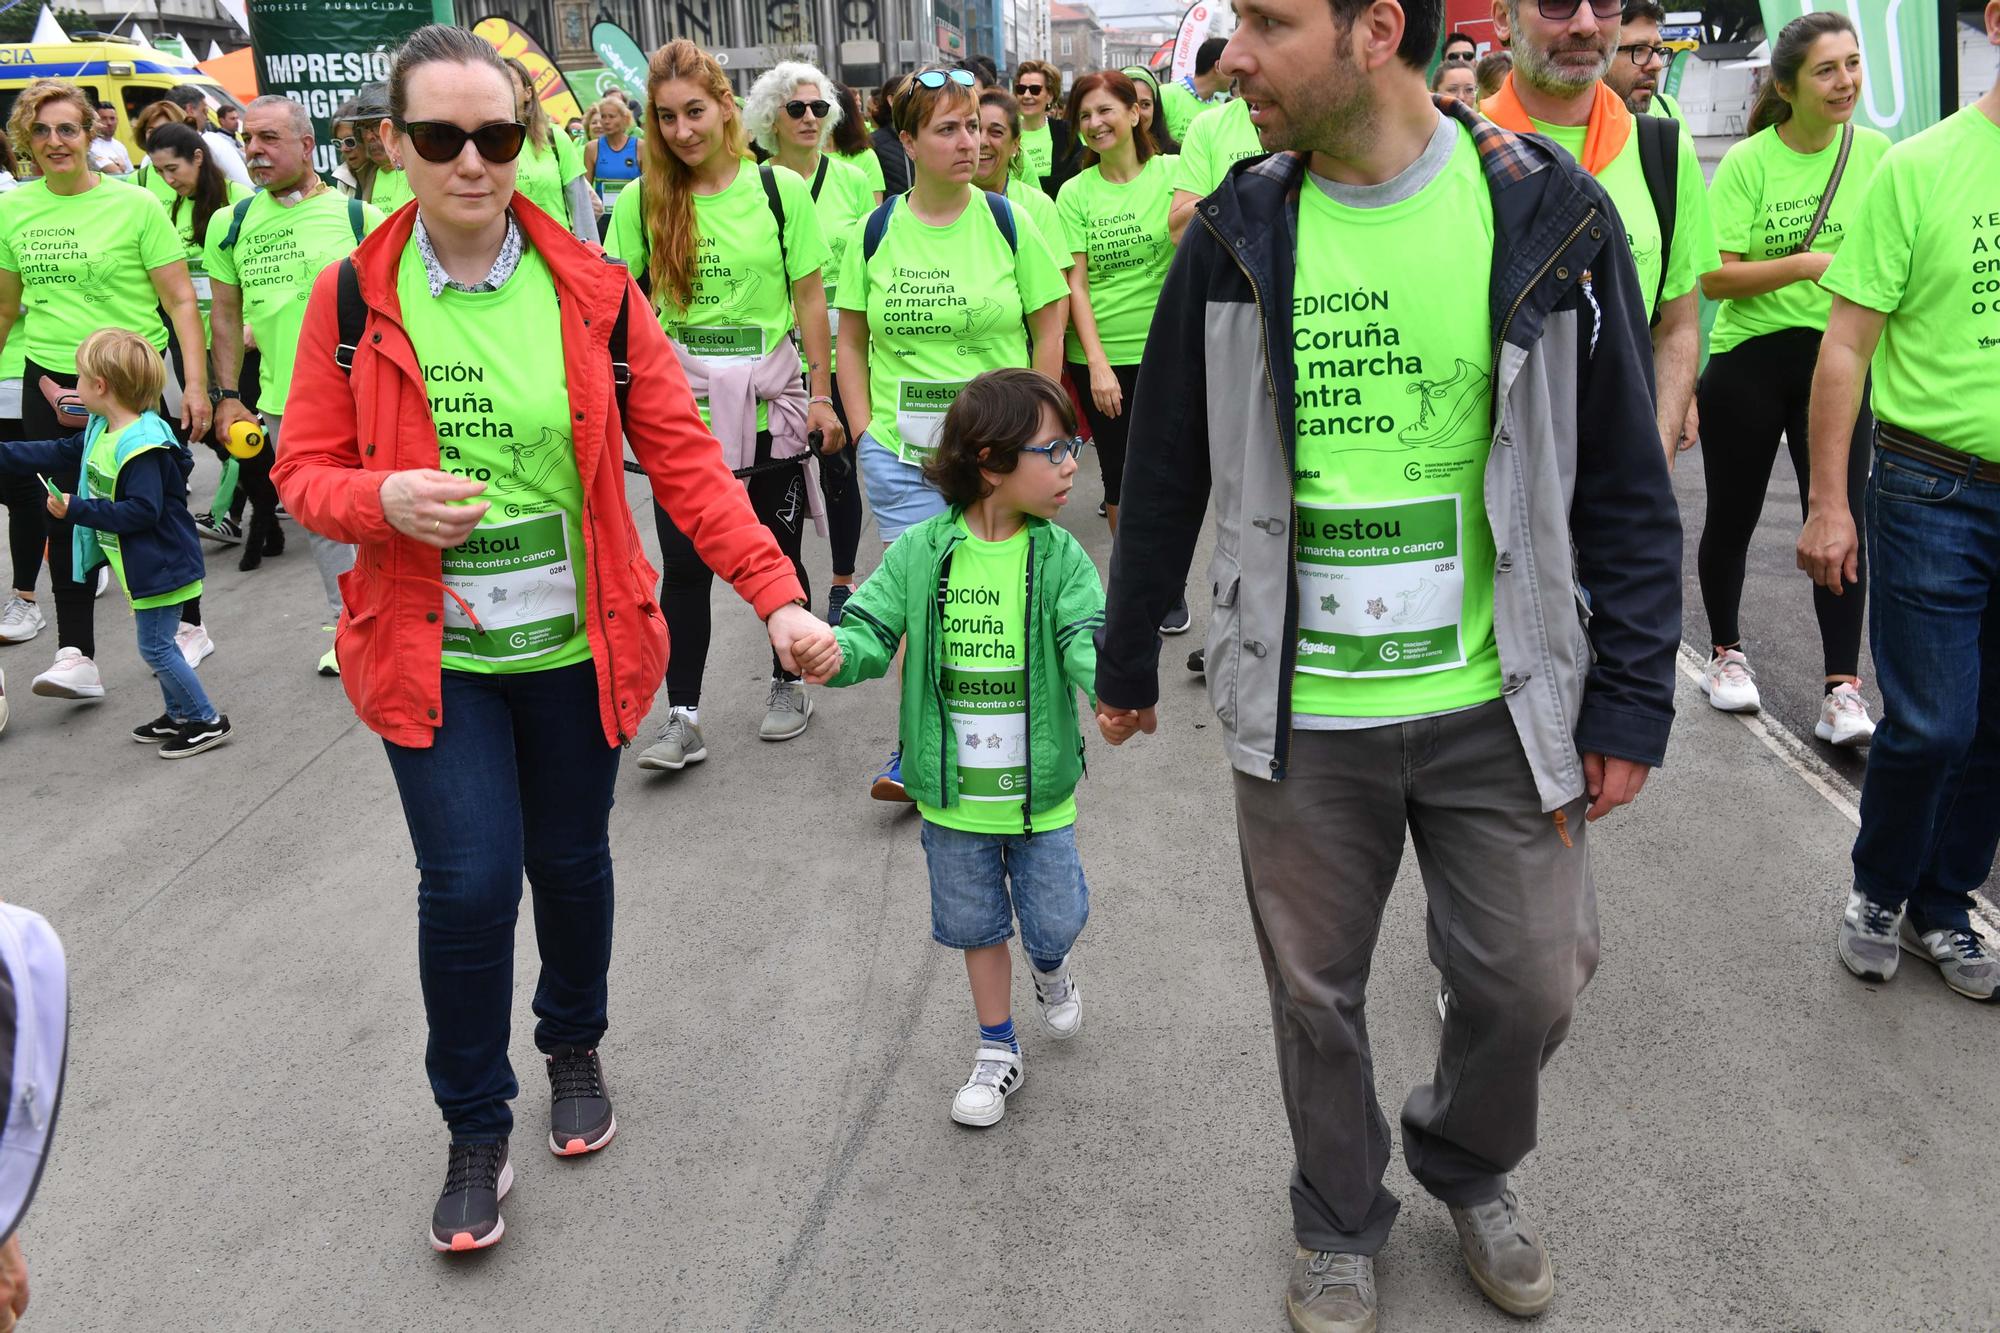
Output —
<point x="844" y="202"/>
<point x="1761" y="201"/>
<point x="181" y="214"/>
<point x="943" y="304"/>
<point x="1925" y="248"/>
<point x="14" y="357"/>
<point x="100" y="475"/>
<point x="85" y="262"/>
<point x="1038" y="153"/>
<point x="984" y="650"/>
<point x="1217" y="140"/>
<point x="544" y="175"/>
<point x="742" y="304"/>
<point x="1122" y="232"/>
<point x="1625" y="181"/>
<point x="392" y="190"/>
<point x="1026" y="195"/>
<point x="870" y="167"/>
<point x="1394" y="420"/>
<point x="148" y="175"/>
<point x="501" y="405"/>
<point x="1181" y="109"/>
<point x="278" y="253"/>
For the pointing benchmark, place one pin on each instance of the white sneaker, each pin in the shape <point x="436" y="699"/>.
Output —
<point x="1843" y="717"/>
<point x="194" y="643"/>
<point x="3" y="701"/>
<point x="1730" y="684"/>
<point x="996" y="1071"/>
<point x="21" y="621"/>
<point x="73" y="676"/>
<point x="1059" y="1001"/>
<point x="103" y="580"/>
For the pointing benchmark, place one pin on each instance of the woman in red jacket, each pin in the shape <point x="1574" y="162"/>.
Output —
<point x="499" y="628"/>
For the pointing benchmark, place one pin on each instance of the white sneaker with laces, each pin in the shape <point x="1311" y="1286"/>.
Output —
<point x="73" y="676"/>
<point x="996" y="1071"/>
<point x="1730" y="684"/>
<point x="1059" y="1001"/>
<point x="1843" y="717"/>
<point x="21" y="621"/>
<point x="194" y="643"/>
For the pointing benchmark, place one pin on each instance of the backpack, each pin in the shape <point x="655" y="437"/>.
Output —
<point x="769" y="180"/>
<point x="877" y="225"/>
<point x="356" y="219"/>
<point x="1660" y="159"/>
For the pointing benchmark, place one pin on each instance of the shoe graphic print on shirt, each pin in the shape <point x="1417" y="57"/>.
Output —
<point x="533" y="480"/>
<point x="1447" y="410"/>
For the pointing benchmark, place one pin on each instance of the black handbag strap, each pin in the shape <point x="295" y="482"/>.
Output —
<point x="1832" y="184"/>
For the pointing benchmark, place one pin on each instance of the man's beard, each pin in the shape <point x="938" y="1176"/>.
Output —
<point x="1539" y="71"/>
<point x="1340" y="120"/>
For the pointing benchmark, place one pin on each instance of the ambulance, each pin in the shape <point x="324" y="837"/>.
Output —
<point x="109" y="69"/>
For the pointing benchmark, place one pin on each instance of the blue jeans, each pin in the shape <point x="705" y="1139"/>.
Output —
<point x="186" y="701"/>
<point x="518" y="778"/>
<point x="981" y="881"/>
<point x="1928" y="827"/>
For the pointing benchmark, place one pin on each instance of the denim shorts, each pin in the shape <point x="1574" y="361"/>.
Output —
<point x="896" y="490"/>
<point x="981" y="881"/>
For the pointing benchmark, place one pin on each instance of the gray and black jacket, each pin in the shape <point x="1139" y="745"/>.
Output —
<point x="1587" y="584"/>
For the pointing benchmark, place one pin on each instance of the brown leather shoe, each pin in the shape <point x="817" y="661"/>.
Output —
<point x="1331" y="1292"/>
<point x="1505" y="1256"/>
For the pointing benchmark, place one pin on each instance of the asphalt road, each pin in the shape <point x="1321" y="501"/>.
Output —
<point x="1738" y="1135"/>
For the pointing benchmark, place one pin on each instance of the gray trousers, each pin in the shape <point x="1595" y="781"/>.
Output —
<point x="1513" y="931"/>
<point x="333" y="558"/>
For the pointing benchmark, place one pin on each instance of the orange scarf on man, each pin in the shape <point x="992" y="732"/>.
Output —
<point x="1610" y="123"/>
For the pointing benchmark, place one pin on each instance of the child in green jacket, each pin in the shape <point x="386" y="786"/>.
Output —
<point x="999" y="606"/>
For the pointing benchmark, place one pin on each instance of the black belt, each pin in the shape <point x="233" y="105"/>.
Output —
<point x="1911" y="445"/>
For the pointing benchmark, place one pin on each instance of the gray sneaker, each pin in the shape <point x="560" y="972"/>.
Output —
<point x="1331" y="1292"/>
<point x="1868" y="938"/>
<point x="1959" y="955"/>
<point x="679" y="745"/>
<point x="1505" y="1256"/>
<point x="788" y="710"/>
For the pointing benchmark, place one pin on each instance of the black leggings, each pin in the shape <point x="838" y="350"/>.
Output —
<point x="1107" y="433"/>
<point x="75" y="602"/>
<point x="27" y="516"/>
<point x="779" y="499"/>
<point x="1749" y="395"/>
<point x="841" y="485"/>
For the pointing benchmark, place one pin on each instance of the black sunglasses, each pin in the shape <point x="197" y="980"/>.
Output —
<point x="796" y="108"/>
<point x="1029" y="90"/>
<point x="441" y="141"/>
<point x="1560" y="10"/>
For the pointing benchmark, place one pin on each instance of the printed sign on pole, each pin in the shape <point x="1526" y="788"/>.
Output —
<point x="550" y="90"/>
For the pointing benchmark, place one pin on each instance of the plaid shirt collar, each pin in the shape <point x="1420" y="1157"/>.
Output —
<point x="503" y="268"/>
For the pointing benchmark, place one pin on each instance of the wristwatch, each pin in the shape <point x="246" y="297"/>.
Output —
<point x="217" y="395"/>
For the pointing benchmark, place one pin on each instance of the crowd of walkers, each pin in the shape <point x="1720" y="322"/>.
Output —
<point x="1445" y="594"/>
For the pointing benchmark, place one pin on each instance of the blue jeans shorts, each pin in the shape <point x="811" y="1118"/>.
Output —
<point x="981" y="881"/>
<point x="896" y="491"/>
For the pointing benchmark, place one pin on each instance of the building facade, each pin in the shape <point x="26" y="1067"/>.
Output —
<point x="1076" y="41"/>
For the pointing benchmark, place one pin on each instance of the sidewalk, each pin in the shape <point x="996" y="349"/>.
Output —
<point x="1738" y="1135"/>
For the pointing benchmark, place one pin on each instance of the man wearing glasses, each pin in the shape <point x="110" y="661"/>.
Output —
<point x="1048" y="143"/>
<point x="1445" y="598"/>
<point x="1563" y="50"/>
<point x="1460" y="49"/>
<point x="1642" y="62"/>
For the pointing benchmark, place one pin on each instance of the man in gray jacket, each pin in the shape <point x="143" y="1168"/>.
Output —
<point x="1445" y="596"/>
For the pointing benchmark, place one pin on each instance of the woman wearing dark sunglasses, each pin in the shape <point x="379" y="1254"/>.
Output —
<point x="739" y="292"/>
<point x="500" y="631"/>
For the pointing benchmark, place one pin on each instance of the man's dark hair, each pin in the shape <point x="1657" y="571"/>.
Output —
<point x="1208" y="53"/>
<point x="1465" y="37"/>
<point x="992" y="418"/>
<point x="186" y="95"/>
<point x="1644" y="9"/>
<point x="1423" y="21"/>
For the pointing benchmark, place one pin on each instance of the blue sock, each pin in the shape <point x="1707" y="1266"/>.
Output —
<point x="1045" y="966"/>
<point x="1003" y="1035"/>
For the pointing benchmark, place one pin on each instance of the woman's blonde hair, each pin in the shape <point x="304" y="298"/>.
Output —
<point x="617" y="103"/>
<point x="131" y="370"/>
<point x="672" y="234"/>
<point x="21" y="125"/>
<point x="153" y="115"/>
<point x="538" y="118"/>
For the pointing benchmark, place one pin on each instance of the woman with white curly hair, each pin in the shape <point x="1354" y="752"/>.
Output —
<point x="791" y="113"/>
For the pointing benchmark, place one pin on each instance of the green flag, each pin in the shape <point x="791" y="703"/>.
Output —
<point x="621" y="55"/>
<point x="1899" y="61"/>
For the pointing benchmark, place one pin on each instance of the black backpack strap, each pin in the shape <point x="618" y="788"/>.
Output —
<point x="1660" y="159"/>
<point x="1003" y="217"/>
<point x="357" y="220"/>
<point x="228" y="241"/>
<point x="621" y="367"/>
<point x="877" y="227"/>
<point x="770" y="179"/>
<point x="819" y="177"/>
<point x="353" y="312"/>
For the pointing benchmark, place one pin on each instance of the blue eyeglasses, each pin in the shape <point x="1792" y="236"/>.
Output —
<point x="1058" y="451"/>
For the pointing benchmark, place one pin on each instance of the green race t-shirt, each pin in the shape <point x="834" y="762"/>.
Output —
<point x="544" y="174"/>
<point x="870" y="167"/>
<point x="1181" y="109"/>
<point x="984" y="651"/>
<point x="1028" y="197"/>
<point x="501" y="405"/>
<point x="85" y="262"/>
<point x="844" y="202"/>
<point x="943" y="304"/>
<point x="1038" y="152"/>
<point x="156" y="185"/>
<point x="1122" y="232"/>
<point x="1925" y="248"/>
<point x="181" y="214"/>
<point x="1394" y="420"/>
<point x="742" y="304"/>
<point x="1215" y="141"/>
<point x="1625" y="181"/>
<point x="278" y="253"/>
<point x="100" y="476"/>
<point x="392" y="190"/>
<point x="1761" y="201"/>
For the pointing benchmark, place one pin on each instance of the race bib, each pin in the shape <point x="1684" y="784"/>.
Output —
<point x="202" y="293"/>
<point x="988" y="714"/>
<point x="1381" y="588"/>
<point x="722" y="342"/>
<point x="520" y="581"/>
<point x="920" y="409"/>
